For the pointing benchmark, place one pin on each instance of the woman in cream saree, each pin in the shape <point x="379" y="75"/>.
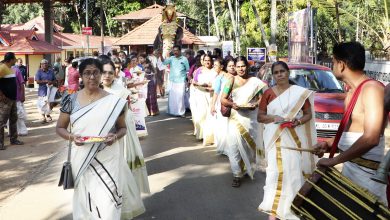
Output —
<point x="244" y="138"/>
<point x="130" y="143"/>
<point x="286" y="111"/>
<point x="104" y="186"/>
<point x="200" y="101"/>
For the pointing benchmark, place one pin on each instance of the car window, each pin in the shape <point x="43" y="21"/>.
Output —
<point x="318" y="80"/>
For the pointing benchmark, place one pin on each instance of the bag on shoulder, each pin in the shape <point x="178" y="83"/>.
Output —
<point x="226" y="111"/>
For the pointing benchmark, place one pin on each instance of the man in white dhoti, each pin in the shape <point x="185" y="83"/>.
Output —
<point x="361" y="145"/>
<point x="44" y="78"/>
<point x="178" y="66"/>
<point x="104" y="185"/>
<point x="286" y="111"/>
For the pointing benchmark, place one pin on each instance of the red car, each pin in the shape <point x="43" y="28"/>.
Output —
<point x="328" y="99"/>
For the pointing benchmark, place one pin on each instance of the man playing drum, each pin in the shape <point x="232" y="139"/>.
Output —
<point x="362" y="142"/>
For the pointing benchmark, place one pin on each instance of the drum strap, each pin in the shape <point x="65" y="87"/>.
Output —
<point x="346" y="117"/>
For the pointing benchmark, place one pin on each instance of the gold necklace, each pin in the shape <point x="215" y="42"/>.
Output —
<point x="279" y="99"/>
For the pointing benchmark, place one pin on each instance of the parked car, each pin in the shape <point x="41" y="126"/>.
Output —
<point x="329" y="94"/>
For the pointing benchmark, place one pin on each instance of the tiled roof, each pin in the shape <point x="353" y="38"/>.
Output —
<point x="145" y="14"/>
<point x="78" y="41"/>
<point x="37" y="23"/>
<point x="26" y="46"/>
<point x="146" y="33"/>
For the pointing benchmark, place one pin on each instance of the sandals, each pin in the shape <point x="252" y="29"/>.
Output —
<point x="49" y="117"/>
<point x="236" y="182"/>
<point x="43" y="121"/>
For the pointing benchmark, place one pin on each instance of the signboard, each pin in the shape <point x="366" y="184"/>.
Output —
<point x="227" y="46"/>
<point x="256" y="54"/>
<point x="86" y="30"/>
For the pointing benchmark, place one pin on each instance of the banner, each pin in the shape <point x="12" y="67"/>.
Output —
<point x="256" y="54"/>
<point x="298" y="36"/>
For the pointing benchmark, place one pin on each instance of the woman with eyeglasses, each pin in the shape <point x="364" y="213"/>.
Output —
<point x="104" y="185"/>
<point x="226" y="70"/>
<point x="200" y="99"/>
<point x="244" y="139"/>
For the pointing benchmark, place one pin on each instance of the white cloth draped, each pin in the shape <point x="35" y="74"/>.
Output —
<point x="286" y="168"/>
<point x="104" y="186"/>
<point x="176" y="96"/>
<point x="130" y="143"/>
<point x="220" y="126"/>
<point x="244" y="138"/>
<point x="200" y="101"/>
<point x="362" y="175"/>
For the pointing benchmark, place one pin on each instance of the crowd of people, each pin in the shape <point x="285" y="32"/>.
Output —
<point x="258" y="128"/>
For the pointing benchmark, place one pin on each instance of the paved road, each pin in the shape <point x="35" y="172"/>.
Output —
<point x="187" y="180"/>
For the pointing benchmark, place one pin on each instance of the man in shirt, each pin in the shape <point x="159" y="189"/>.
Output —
<point x="59" y="72"/>
<point x="177" y="76"/>
<point x="8" y="93"/>
<point x="22" y="68"/>
<point x="44" y="78"/>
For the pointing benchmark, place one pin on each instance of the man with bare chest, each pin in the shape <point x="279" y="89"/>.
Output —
<point x="362" y="143"/>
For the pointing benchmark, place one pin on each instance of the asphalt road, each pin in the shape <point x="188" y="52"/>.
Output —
<point x="187" y="180"/>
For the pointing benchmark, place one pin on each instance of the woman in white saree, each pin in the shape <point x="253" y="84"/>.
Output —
<point x="286" y="111"/>
<point x="201" y="101"/>
<point x="244" y="138"/>
<point x="221" y="122"/>
<point x="104" y="185"/>
<point x="130" y="143"/>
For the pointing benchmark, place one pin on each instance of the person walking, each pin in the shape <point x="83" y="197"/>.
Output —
<point x="151" y="98"/>
<point x="104" y="185"/>
<point x="287" y="168"/>
<point x="226" y="70"/>
<point x="45" y="78"/>
<point x="59" y="72"/>
<point x="200" y="100"/>
<point x="20" y="98"/>
<point x="131" y="145"/>
<point x="177" y="77"/>
<point x="360" y="138"/>
<point x="73" y="78"/>
<point x="23" y="69"/>
<point x="244" y="140"/>
<point x="8" y="95"/>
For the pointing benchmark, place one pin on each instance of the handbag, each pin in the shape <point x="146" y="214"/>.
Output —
<point x="66" y="178"/>
<point x="226" y="111"/>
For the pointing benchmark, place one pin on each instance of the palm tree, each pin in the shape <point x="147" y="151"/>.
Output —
<point x="264" y="36"/>
<point x="215" y="19"/>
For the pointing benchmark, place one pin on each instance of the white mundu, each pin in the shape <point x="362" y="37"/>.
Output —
<point x="287" y="168"/>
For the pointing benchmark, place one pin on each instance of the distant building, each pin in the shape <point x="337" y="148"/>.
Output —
<point x="142" y="27"/>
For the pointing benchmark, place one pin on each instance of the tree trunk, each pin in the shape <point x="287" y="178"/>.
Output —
<point x="274" y="27"/>
<point x="264" y="36"/>
<point x="2" y="9"/>
<point x="215" y="19"/>
<point x="231" y="12"/>
<point x="338" y="20"/>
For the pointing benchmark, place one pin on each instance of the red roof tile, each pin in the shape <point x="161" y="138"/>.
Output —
<point x="146" y="33"/>
<point x="26" y="46"/>
<point x="145" y="14"/>
<point x="79" y="41"/>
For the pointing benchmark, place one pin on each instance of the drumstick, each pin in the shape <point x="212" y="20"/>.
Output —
<point x="299" y="149"/>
